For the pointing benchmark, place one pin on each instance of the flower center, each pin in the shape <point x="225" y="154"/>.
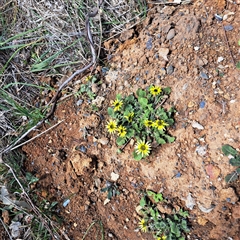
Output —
<point x="143" y="148"/>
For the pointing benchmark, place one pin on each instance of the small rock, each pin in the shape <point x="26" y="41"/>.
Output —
<point x="204" y="209"/>
<point x="114" y="176"/>
<point x="196" y="48"/>
<point x="138" y="210"/>
<point x="190" y="202"/>
<point x="191" y="104"/>
<point x="228" y="28"/>
<point x="204" y="75"/>
<point x="106" y="201"/>
<point x="201" y="150"/>
<point x="98" y="101"/>
<point x="83" y="149"/>
<point x="212" y="171"/>
<point x="171" y="34"/>
<point x="103" y="140"/>
<point x="220" y="59"/>
<point x="163" y="52"/>
<point x="202" y="221"/>
<point x="202" y="104"/>
<point x="170" y="69"/>
<point x="79" y="102"/>
<point x="95" y="88"/>
<point x="66" y="202"/>
<point x="197" y="125"/>
<point x="149" y="44"/>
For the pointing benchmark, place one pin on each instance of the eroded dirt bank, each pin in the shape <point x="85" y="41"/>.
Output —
<point x="183" y="47"/>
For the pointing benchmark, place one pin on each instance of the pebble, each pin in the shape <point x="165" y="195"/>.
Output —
<point x="220" y="59"/>
<point x="205" y="210"/>
<point x="114" y="176"/>
<point x="171" y="34"/>
<point x="228" y="28"/>
<point x="204" y="75"/>
<point x="103" y="141"/>
<point x="196" y="48"/>
<point x="83" y="149"/>
<point x="197" y="125"/>
<point x="163" y="52"/>
<point x="178" y="175"/>
<point x="95" y="88"/>
<point x="201" y="150"/>
<point x="170" y="69"/>
<point x="149" y="44"/>
<point x="66" y="202"/>
<point x="202" y="104"/>
<point x="79" y="102"/>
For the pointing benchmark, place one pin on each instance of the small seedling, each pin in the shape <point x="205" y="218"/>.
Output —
<point x="112" y="190"/>
<point x="163" y="226"/>
<point x="142" y="118"/>
<point x="234" y="161"/>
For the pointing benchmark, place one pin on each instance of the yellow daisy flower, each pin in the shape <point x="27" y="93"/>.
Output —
<point x="160" y="124"/>
<point x="155" y="90"/>
<point x="88" y="78"/>
<point x="111" y="126"/>
<point x="130" y="116"/>
<point x="117" y="105"/>
<point x="148" y="123"/>
<point x="143" y="148"/>
<point x="143" y="225"/>
<point x="122" y="131"/>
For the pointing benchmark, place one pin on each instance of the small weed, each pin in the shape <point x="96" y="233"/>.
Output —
<point x="87" y="87"/>
<point x="163" y="226"/>
<point x="143" y="118"/>
<point x="234" y="161"/>
<point x="112" y="190"/>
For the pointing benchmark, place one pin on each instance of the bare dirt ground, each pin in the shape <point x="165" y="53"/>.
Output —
<point x="183" y="47"/>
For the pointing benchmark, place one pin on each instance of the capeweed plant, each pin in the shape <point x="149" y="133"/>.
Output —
<point x="163" y="226"/>
<point x="234" y="161"/>
<point x="142" y="118"/>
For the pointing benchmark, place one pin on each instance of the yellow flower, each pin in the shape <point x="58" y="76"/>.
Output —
<point x="143" y="225"/>
<point x="130" y="116"/>
<point x="160" y="124"/>
<point x="117" y="105"/>
<point x="88" y="78"/>
<point x="111" y="126"/>
<point x="143" y="148"/>
<point x="122" y="131"/>
<point x="161" y="238"/>
<point x="148" y="123"/>
<point x="155" y="90"/>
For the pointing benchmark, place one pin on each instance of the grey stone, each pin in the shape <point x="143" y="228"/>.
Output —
<point x="204" y="75"/>
<point x="170" y="69"/>
<point x="171" y="34"/>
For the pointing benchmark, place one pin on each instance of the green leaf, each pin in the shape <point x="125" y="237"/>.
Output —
<point x="104" y="189"/>
<point x="167" y="90"/>
<point x="120" y="141"/>
<point x="175" y="229"/>
<point x="238" y="170"/>
<point x="231" y="177"/>
<point x="141" y="93"/>
<point x="110" y="194"/>
<point x="118" y="96"/>
<point x="136" y="156"/>
<point x="142" y="202"/>
<point x="130" y="133"/>
<point x="160" y="140"/>
<point x="228" y="150"/>
<point x="235" y="161"/>
<point x="110" y="112"/>
<point x="143" y="101"/>
<point x="183" y="213"/>
<point x="170" y="139"/>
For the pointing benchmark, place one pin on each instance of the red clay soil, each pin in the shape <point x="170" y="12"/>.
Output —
<point x="180" y="46"/>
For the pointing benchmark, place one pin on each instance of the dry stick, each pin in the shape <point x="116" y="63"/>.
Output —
<point x="226" y="39"/>
<point x="65" y="83"/>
